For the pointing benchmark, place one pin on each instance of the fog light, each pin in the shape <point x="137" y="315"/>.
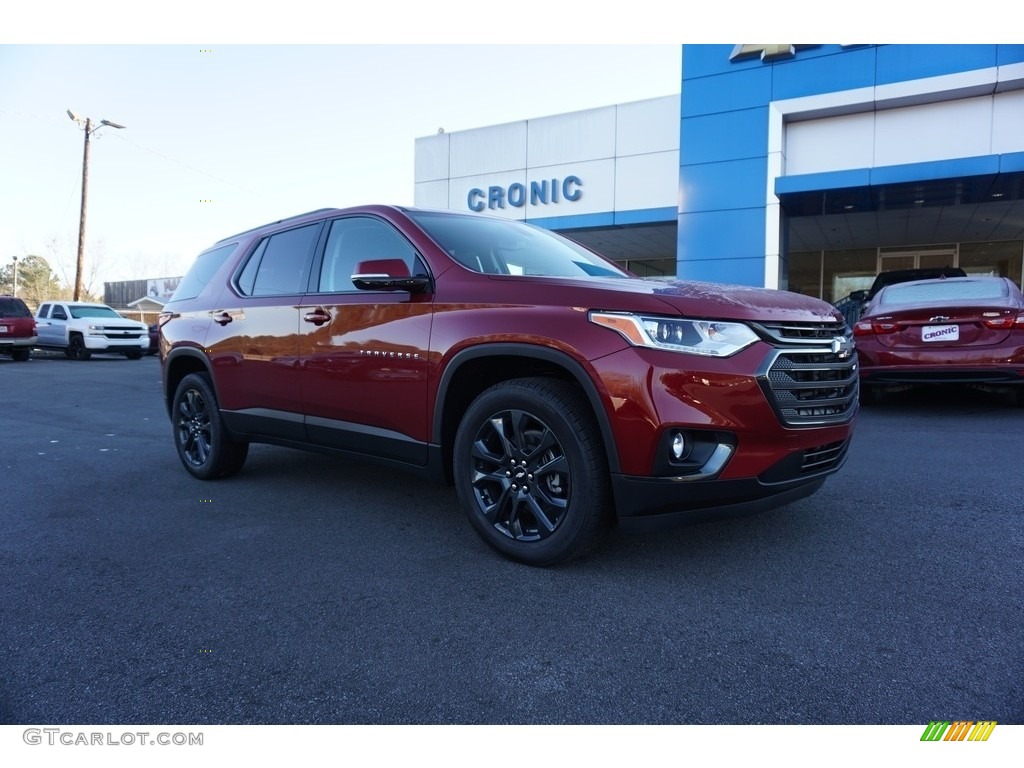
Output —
<point x="678" y="445"/>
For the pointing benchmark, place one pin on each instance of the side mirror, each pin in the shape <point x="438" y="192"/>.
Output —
<point x="388" y="275"/>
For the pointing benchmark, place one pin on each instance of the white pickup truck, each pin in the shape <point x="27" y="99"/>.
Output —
<point x="81" y="328"/>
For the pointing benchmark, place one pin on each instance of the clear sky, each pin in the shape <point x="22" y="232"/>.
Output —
<point x="220" y="138"/>
<point x="306" y="104"/>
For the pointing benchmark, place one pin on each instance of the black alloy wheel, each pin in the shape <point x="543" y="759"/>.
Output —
<point x="531" y="472"/>
<point x="76" y="348"/>
<point x="203" y="445"/>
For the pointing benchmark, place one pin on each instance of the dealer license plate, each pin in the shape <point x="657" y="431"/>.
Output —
<point x="940" y="333"/>
<point x="4" y="329"/>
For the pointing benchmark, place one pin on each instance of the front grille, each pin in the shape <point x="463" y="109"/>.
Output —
<point x="807" y="463"/>
<point x="824" y="457"/>
<point x="122" y="332"/>
<point x="786" y="334"/>
<point x="807" y="383"/>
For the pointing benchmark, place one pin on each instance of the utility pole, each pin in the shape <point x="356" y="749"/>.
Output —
<point x="15" y="275"/>
<point x="89" y="131"/>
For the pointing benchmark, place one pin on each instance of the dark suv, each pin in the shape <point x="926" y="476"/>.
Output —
<point x="556" y="391"/>
<point x="17" y="328"/>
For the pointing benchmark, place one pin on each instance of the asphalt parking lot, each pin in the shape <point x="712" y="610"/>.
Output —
<point x="312" y="590"/>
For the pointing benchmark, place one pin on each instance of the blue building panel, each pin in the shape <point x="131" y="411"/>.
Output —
<point x="580" y="221"/>
<point x="898" y="63"/>
<point x="724" y="136"/>
<point x="812" y="182"/>
<point x="939" y="169"/>
<point x="704" y="60"/>
<point x="733" y="234"/>
<point x="1010" y="54"/>
<point x="718" y="186"/>
<point x="1012" y="162"/>
<point x="843" y="70"/>
<point x="727" y="92"/>
<point x="730" y="271"/>
<point x="646" y="216"/>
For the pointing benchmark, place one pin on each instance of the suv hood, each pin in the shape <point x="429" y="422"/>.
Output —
<point x="716" y="301"/>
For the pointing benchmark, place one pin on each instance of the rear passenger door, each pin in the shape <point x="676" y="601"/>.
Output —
<point x="253" y="341"/>
<point x="364" y="353"/>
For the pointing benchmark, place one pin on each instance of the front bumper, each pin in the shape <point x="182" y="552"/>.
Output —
<point x="655" y="503"/>
<point x="103" y="344"/>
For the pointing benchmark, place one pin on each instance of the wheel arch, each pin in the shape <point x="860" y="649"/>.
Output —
<point x="179" y="364"/>
<point x="472" y="370"/>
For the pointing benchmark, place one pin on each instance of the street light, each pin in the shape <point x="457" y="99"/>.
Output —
<point x="15" y="275"/>
<point x="87" y="127"/>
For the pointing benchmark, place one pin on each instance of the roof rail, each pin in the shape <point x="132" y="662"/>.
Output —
<point x="272" y="223"/>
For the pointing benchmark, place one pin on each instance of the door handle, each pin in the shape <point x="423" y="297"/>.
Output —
<point x="223" y="318"/>
<point x="317" y="317"/>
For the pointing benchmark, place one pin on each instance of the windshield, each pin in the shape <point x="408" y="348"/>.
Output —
<point x="84" y="311"/>
<point x="498" y="247"/>
<point x="943" y="290"/>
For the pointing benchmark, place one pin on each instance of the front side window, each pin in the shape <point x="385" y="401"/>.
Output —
<point x="280" y="264"/>
<point x="59" y="313"/>
<point x="359" y="239"/>
<point x="500" y="247"/>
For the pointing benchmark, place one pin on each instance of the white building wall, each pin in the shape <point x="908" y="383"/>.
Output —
<point x="968" y="127"/>
<point x="626" y="158"/>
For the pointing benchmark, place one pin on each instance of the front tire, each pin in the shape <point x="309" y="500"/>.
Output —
<point x="203" y="444"/>
<point x="531" y="473"/>
<point x="134" y="354"/>
<point x="76" y="348"/>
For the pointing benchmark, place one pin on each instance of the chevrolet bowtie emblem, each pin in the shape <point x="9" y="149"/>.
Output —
<point x="765" y="50"/>
<point x="842" y="347"/>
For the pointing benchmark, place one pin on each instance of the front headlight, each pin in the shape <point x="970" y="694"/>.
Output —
<point x="712" y="338"/>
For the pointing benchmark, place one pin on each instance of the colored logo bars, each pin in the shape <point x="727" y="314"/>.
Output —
<point x="959" y="730"/>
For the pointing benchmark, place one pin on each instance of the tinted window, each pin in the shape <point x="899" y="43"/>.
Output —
<point x="498" y="247"/>
<point x="355" y="240"/>
<point x="280" y="265"/>
<point x="44" y="310"/>
<point x="944" y="290"/>
<point x="86" y="311"/>
<point x="59" y="313"/>
<point x="10" y="307"/>
<point x="201" y="272"/>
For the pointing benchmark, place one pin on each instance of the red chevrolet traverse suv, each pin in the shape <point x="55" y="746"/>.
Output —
<point x="559" y="393"/>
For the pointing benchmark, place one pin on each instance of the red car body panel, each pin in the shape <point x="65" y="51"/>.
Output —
<point x="970" y="340"/>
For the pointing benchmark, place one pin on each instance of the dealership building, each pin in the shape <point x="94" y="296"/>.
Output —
<point x="805" y="167"/>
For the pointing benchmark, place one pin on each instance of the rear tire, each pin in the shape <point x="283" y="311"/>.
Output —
<point x="200" y="437"/>
<point x="21" y="355"/>
<point x="531" y="472"/>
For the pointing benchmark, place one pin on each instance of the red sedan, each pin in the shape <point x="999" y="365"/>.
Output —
<point x="958" y="330"/>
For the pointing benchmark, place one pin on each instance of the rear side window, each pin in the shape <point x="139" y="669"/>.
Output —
<point x="944" y="290"/>
<point x="201" y="272"/>
<point x="44" y="310"/>
<point x="280" y="264"/>
<point x="11" y="307"/>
